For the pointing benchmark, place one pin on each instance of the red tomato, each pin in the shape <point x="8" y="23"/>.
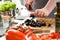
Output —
<point x="54" y="35"/>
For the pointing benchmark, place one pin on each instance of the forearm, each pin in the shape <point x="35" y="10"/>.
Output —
<point x="57" y="0"/>
<point x="50" y="5"/>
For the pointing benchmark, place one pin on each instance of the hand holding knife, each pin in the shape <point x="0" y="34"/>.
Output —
<point x="29" y="4"/>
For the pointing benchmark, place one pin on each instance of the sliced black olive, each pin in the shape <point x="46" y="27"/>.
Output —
<point x="32" y="20"/>
<point x="43" y="24"/>
<point x="22" y="23"/>
<point x="27" y="23"/>
<point x="27" y="20"/>
<point x="36" y="20"/>
<point x="49" y="25"/>
<point x="32" y="16"/>
<point x="39" y="25"/>
<point x="31" y="24"/>
<point x="34" y="25"/>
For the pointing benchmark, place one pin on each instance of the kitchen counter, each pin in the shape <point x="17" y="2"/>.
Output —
<point x="16" y="21"/>
<point x="19" y="22"/>
<point x="2" y="38"/>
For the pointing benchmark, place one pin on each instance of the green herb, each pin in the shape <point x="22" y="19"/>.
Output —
<point x="7" y="6"/>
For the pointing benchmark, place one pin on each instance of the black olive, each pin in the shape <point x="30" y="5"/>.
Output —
<point x="22" y="23"/>
<point x="49" y="25"/>
<point x="28" y="20"/>
<point x="32" y="20"/>
<point x="39" y="25"/>
<point x="31" y="23"/>
<point x="36" y="20"/>
<point x="27" y="23"/>
<point x="43" y="24"/>
<point x="34" y="25"/>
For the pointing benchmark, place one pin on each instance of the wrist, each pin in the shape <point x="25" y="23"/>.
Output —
<point x="45" y="9"/>
<point x="50" y="5"/>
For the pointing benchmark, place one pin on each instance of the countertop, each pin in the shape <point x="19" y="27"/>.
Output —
<point x="2" y="38"/>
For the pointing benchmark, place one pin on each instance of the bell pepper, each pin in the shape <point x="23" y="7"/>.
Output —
<point x="34" y="37"/>
<point x="29" y="33"/>
<point x="54" y="35"/>
<point x="13" y="34"/>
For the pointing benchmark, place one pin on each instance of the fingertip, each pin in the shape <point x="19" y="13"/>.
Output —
<point x="32" y="14"/>
<point x="45" y="15"/>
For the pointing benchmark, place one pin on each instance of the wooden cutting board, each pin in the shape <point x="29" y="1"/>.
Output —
<point x="46" y="28"/>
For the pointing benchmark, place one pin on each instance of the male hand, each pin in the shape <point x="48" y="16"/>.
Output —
<point x="28" y="3"/>
<point x="41" y="13"/>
